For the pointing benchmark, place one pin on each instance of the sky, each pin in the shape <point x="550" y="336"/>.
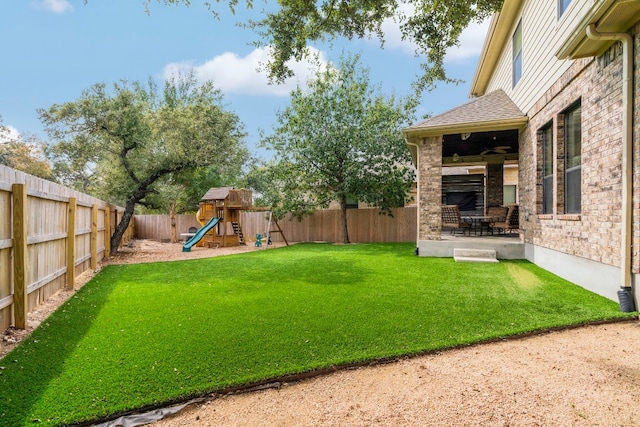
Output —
<point x="52" y="50"/>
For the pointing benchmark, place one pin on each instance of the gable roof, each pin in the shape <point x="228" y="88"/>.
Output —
<point x="492" y="112"/>
<point x="219" y="193"/>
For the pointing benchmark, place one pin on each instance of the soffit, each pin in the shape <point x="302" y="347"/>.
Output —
<point x="609" y="16"/>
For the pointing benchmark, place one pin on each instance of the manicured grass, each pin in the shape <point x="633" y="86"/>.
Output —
<point x="147" y="334"/>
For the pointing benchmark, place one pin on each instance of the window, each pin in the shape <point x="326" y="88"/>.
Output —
<point x="509" y="194"/>
<point x="562" y="6"/>
<point x="546" y="134"/>
<point x="572" y="159"/>
<point x="516" y="42"/>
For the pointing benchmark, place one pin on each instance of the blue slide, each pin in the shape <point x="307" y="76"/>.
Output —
<point x="200" y="234"/>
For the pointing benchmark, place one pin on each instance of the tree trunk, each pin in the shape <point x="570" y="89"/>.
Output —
<point x="172" y="218"/>
<point x="343" y="219"/>
<point x="122" y="226"/>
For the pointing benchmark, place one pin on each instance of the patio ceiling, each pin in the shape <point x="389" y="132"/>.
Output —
<point x="483" y="130"/>
<point x="486" y="147"/>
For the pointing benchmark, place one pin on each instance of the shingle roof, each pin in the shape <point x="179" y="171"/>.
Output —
<point x="493" y="108"/>
<point x="219" y="193"/>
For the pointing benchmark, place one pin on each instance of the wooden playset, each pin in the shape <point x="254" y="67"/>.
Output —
<point x="219" y="215"/>
<point x="224" y="203"/>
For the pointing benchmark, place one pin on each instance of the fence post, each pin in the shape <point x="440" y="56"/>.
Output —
<point x="94" y="236"/>
<point x="20" y="293"/>
<point x="107" y="231"/>
<point x="71" y="243"/>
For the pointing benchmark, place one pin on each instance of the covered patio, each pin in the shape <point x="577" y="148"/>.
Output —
<point x="478" y="138"/>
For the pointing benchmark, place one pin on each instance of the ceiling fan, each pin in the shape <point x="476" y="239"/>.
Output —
<point x="500" y="149"/>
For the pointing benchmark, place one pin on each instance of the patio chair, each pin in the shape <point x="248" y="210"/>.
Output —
<point x="511" y="222"/>
<point x="451" y="219"/>
<point x="497" y="212"/>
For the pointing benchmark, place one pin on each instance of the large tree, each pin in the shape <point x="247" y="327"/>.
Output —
<point x="433" y="25"/>
<point x="181" y="192"/>
<point x="341" y="140"/>
<point x="25" y="153"/>
<point x="134" y="137"/>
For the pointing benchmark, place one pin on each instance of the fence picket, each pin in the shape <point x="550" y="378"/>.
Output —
<point x="38" y="212"/>
<point x="365" y="226"/>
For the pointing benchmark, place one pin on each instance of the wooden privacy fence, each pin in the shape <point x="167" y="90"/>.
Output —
<point x="365" y="226"/>
<point x="158" y="227"/>
<point x="49" y="234"/>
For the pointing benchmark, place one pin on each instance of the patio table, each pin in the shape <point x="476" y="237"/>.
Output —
<point x="481" y="222"/>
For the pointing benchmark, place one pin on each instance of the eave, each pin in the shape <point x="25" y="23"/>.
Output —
<point x="518" y="123"/>
<point x="608" y="16"/>
<point x="498" y="35"/>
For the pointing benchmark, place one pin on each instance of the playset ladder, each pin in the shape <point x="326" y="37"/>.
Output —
<point x="237" y="229"/>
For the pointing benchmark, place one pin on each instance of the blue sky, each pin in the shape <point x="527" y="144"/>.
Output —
<point x="54" y="49"/>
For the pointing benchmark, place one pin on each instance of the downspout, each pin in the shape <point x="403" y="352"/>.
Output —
<point x="625" y="294"/>
<point x="417" y="192"/>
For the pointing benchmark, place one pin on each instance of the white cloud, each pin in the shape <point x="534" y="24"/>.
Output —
<point x="243" y="75"/>
<point x="8" y="133"/>
<point x="471" y="39"/>
<point x="393" y="35"/>
<point x="56" y="6"/>
<point x="471" y="42"/>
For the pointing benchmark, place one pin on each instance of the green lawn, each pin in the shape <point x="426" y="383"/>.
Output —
<point x="148" y="334"/>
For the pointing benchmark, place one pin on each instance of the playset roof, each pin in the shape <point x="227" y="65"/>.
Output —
<point x="219" y="193"/>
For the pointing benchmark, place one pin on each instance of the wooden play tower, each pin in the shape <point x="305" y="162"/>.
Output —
<point x="225" y="203"/>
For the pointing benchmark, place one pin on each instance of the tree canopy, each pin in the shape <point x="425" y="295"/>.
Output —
<point x="26" y="154"/>
<point x="340" y="141"/>
<point x="131" y="143"/>
<point x="433" y="25"/>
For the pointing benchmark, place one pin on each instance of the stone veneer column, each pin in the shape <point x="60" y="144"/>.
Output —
<point x="430" y="203"/>
<point x="495" y="185"/>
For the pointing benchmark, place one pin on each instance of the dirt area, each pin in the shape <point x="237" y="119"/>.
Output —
<point x="587" y="376"/>
<point x="582" y="377"/>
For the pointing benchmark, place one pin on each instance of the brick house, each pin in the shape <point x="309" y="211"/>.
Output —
<point x="554" y="92"/>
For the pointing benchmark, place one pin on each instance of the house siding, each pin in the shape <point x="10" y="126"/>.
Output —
<point x="542" y="36"/>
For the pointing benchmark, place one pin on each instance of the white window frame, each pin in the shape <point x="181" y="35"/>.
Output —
<point x="516" y="44"/>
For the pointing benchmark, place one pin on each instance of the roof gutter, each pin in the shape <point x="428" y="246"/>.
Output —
<point x="518" y="123"/>
<point x="627" y="160"/>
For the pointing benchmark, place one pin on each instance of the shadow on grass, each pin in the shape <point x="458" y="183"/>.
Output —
<point x="309" y="266"/>
<point x="27" y="370"/>
<point x="313" y="270"/>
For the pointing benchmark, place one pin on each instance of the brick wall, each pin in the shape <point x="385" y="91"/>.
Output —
<point x="636" y="149"/>
<point x="495" y="182"/>
<point x="595" y="232"/>
<point x="430" y="191"/>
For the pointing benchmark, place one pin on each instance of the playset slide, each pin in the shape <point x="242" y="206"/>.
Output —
<point x="200" y="234"/>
